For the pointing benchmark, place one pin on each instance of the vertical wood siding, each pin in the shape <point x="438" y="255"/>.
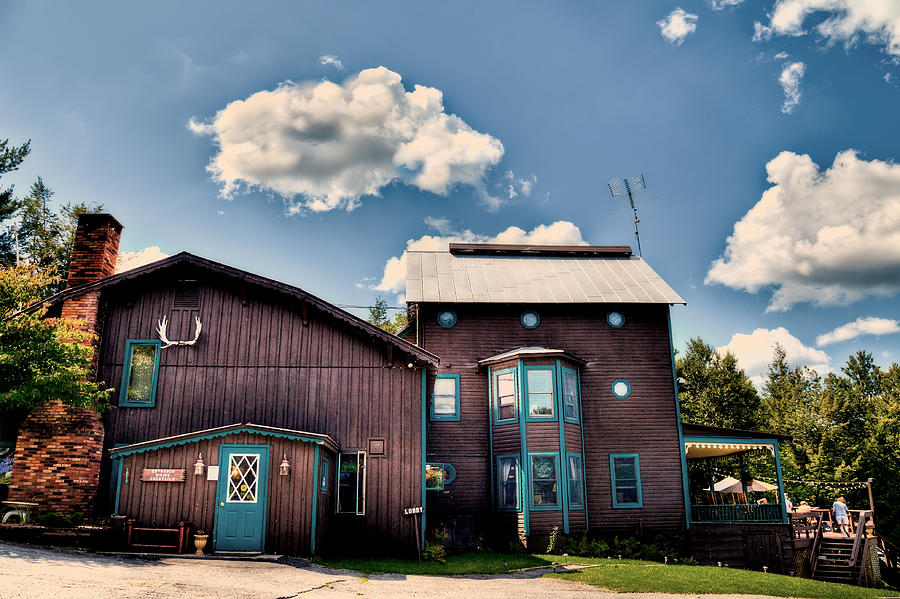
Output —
<point x="258" y="361"/>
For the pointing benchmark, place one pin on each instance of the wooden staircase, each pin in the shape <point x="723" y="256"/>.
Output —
<point x="833" y="562"/>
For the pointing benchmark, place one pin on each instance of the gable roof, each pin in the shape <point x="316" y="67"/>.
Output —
<point x="530" y="352"/>
<point x="185" y="258"/>
<point x="534" y="275"/>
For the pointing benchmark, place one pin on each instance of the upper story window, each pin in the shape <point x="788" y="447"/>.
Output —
<point x="540" y="393"/>
<point x="615" y="319"/>
<point x="530" y="320"/>
<point x="447" y="319"/>
<point x="625" y="469"/>
<point x="351" y="495"/>
<point x="508" y="482"/>
<point x="140" y="372"/>
<point x="445" y="401"/>
<point x="621" y="388"/>
<point x="570" y="395"/>
<point x="505" y="395"/>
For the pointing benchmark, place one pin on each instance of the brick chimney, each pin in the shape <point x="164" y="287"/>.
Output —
<point x="59" y="447"/>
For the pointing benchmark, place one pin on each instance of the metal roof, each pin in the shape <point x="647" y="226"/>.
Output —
<point x="445" y="277"/>
<point x="530" y="351"/>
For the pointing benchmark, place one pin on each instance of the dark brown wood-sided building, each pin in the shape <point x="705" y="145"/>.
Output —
<point x="554" y="404"/>
<point x="249" y="408"/>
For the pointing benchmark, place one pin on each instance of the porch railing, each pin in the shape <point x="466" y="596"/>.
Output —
<point x="768" y="512"/>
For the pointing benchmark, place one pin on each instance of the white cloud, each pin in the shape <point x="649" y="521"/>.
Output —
<point x="516" y="186"/>
<point x="790" y="82"/>
<point x="332" y="60"/>
<point x="677" y="26"/>
<point x="559" y="233"/>
<point x="781" y="56"/>
<point x="829" y="237"/>
<point x="722" y="4"/>
<point x="754" y="352"/>
<point x="323" y="146"/>
<point x="848" y="21"/>
<point x="130" y="260"/>
<point x="861" y="326"/>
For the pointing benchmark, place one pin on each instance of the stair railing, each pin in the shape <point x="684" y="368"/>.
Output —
<point x="814" y="549"/>
<point x="859" y="540"/>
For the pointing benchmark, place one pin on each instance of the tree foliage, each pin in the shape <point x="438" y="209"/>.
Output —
<point x="379" y="315"/>
<point x="10" y="159"/>
<point x="713" y="390"/>
<point x="40" y="358"/>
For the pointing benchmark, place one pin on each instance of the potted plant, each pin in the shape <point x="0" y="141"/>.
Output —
<point x="200" y="540"/>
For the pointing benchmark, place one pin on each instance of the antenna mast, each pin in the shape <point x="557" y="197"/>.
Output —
<point x="629" y="186"/>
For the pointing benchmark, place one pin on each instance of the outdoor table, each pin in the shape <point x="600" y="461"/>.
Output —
<point x="22" y="509"/>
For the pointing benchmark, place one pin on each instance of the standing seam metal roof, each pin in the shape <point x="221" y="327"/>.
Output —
<point x="439" y="276"/>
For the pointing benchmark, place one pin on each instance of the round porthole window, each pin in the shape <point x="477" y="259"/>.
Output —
<point x="621" y="388"/>
<point x="447" y="319"/>
<point x="615" y="319"/>
<point x="530" y="320"/>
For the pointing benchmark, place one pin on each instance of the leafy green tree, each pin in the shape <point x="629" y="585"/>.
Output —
<point x="379" y="315"/>
<point x="40" y="358"/>
<point x="714" y="390"/>
<point x="10" y="159"/>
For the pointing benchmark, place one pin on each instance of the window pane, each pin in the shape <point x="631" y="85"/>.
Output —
<point x="506" y="395"/>
<point x="140" y="380"/>
<point x="624" y="468"/>
<point x="626" y="480"/>
<point x="626" y="495"/>
<point x="324" y="475"/>
<point x="574" y="473"/>
<point x="540" y="393"/>
<point x="570" y="392"/>
<point x="445" y="396"/>
<point x="434" y="476"/>
<point x="348" y="476"/>
<point x="445" y="386"/>
<point x="543" y="478"/>
<point x="508" y="478"/>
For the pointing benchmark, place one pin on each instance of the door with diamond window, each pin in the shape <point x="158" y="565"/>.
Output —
<point x="241" y="497"/>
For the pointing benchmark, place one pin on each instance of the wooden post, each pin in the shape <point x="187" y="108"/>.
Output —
<point x="871" y="498"/>
<point x="418" y="544"/>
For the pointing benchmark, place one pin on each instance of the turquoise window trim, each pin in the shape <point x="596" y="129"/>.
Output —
<point x="518" y="460"/>
<point x="126" y="373"/>
<point x="445" y="417"/>
<point x="546" y="508"/>
<point x="323" y="484"/>
<point x="560" y="405"/>
<point x="569" y="455"/>
<point x="577" y="419"/>
<point x="553" y="400"/>
<point x="637" y="472"/>
<point x="315" y="507"/>
<point x="587" y="524"/>
<point x="613" y="388"/>
<point x="527" y="313"/>
<point x="450" y="321"/>
<point x="523" y="443"/>
<point x="610" y="319"/>
<point x="517" y="395"/>
<point x="118" y="465"/>
<point x="491" y="427"/>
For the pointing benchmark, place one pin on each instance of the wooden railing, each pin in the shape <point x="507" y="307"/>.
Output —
<point x="859" y="541"/>
<point x="768" y="512"/>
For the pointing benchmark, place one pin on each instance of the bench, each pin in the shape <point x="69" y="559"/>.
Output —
<point x="158" y="538"/>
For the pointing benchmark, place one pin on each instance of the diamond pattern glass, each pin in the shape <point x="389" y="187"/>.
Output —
<point x="243" y="479"/>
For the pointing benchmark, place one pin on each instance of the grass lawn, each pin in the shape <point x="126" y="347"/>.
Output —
<point x="466" y="563"/>
<point x="704" y="579"/>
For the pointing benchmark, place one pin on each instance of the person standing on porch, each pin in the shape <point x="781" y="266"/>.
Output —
<point x="841" y="515"/>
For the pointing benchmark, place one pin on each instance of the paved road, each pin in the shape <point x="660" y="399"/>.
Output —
<point x="36" y="573"/>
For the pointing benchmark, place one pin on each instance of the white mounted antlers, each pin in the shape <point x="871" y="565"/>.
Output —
<point x="161" y="330"/>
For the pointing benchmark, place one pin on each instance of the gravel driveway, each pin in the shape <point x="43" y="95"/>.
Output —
<point x="28" y="572"/>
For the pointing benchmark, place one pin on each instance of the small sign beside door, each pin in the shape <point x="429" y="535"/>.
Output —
<point x="162" y="475"/>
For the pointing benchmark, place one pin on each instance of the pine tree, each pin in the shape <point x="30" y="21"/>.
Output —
<point x="10" y="159"/>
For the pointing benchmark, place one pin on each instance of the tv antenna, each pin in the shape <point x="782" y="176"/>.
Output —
<point x="629" y="186"/>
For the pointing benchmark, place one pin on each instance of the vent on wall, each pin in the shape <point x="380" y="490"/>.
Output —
<point x="187" y="296"/>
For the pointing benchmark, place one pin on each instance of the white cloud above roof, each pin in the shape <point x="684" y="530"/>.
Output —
<point x="861" y="326"/>
<point x="754" y="352"/>
<point x="677" y="25"/>
<point x="558" y="233"/>
<point x="332" y="60"/>
<point x="790" y="82"/>
<point x="323" y="146"/>
<point x="130" y="260"/>
<point x="827" y="237"/>
<point x="848" y="22"/>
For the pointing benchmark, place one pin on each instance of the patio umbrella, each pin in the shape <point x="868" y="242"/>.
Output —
<point x="732" y="485"/>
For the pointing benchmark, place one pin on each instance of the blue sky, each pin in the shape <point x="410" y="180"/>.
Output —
<point x="717" y="102"/>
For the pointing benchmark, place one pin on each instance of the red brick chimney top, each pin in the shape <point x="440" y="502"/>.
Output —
<point x="95" y="249"/>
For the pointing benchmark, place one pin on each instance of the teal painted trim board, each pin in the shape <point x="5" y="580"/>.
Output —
<point x="637" y="472"/>
<point x="495" y="407"/>
<point x="681" y="450"/>
<point x="126" y="373"/>
<point x="553" y="400"/>
<point x="315" y="502"/>
<point x="203" y="437"/>
<point x="784" y="514"/>
<point x="491" y="432"/>
<point x="564" y="480"/>
<point x="118" y="485"/>
<point x="454" y="417"/>
<point x="583" y="467"/>
<point x="422" y="482"/>
<point x="523" y="442"/>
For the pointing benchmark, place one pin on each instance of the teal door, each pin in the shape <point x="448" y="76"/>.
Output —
<point x="240" y="522"/>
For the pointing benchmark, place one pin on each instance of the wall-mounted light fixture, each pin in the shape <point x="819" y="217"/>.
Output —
<point x="199" y="465"/>
<point x="285" y="467"/>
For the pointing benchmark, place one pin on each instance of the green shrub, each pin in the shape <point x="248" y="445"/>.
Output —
<point x="554" y="537"/>
<point x="435" y="550"/>
<point x="59" y="520"/>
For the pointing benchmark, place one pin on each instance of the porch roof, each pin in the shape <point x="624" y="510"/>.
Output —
<point x="530" y="352"/>
<point x="221" y="431"/>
